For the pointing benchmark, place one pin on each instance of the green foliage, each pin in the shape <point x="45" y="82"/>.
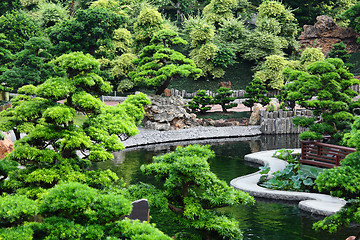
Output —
<point x="18" y="28"/>
<point x="192" y="191"/>
<point x="219" y="10"/>
<point x="2" y="136"/>
<point x="310" y="135"/>
<point x="330" y="83"/>
<point x="303" y="121"/>
<point x="147" y="24"/>
<point x="16" y="209"/>
<point x="94" y="26"/>
<point x="15" y="233"/>
<point x="51" y="14"/>
<point x="342" y="182"/>
<point x="339" y="51"/>
<point x="291" y="177"/>
<point x="200" y="102"/>
<point x="352" y="14"/>
<point x="224" y="57"/>
<point x="311" y="55"/>
<point x="279" y="15"/>
<point x="83" y="204"/>
<point x="159" y="64"/>
<point x="256" y="93"/>
<point x="231" y="33"/>
<point x="76" y="211"/>
<point x="9" y="5"/>
<point x="31" y="65"/>
<point x="259" y="44"/>
<point x="204" y="51"/>
<point x="223" y="97"/>
<point x="271" y="73"/>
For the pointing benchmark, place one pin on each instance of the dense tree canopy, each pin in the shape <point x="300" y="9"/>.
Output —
<point x="86" y="32"/>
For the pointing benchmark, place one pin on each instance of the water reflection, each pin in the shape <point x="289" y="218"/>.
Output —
<point x="266" y="219"/>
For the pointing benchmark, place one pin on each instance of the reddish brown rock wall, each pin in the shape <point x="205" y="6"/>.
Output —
<point x="6" y="146"/>
<point x="325" y="33"/>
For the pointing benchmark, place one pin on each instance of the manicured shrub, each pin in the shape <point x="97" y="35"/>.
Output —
<point x="223" y="97"/>
<point x="200" y="102"/>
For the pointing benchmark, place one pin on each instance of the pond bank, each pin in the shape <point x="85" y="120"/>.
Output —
<point x="319" y="204"/>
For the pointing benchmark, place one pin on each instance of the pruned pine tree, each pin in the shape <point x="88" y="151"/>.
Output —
<point x="58" y="146"/>
<point x="256" y="93"/>
<point x="223" y="97"/>
<point x="193" y="193"/>
<point x="159" y="64"/>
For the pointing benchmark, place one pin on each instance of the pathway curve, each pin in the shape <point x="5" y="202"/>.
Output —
<point x="315" y="203"/>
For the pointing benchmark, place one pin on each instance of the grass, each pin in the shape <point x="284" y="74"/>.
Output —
<point x="355" y="59"/>
<point x="239" y="75"/>
<point x="221" y="115"/>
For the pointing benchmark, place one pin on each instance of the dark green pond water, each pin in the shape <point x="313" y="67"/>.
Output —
<point x="264" y="220"/>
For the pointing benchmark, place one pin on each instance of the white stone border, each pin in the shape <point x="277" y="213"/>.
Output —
<point x="314" y="203"/>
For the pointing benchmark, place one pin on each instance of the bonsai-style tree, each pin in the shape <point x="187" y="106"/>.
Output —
<point x="159" y="64"/>
<point x="200" y="102"/>
<point x="255" y="92"/>
<point x="57" y="146"/>
<point x="223" y="97"/>
<point x="72" y="211"/>
<point x="193" y="192"/>
<point x="325" y="89"/>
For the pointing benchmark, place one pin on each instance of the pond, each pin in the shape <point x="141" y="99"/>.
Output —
<point x="264" y="220"/>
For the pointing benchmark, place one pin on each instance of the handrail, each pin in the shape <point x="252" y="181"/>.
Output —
<point x="323" y="154"/>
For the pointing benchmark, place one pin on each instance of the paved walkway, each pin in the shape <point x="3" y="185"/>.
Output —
<point x="315" y="203"/>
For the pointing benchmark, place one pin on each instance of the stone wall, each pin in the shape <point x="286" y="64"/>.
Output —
<point x="280" y="122"/>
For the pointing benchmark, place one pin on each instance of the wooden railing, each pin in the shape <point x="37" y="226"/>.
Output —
<point x="323" y="154"/>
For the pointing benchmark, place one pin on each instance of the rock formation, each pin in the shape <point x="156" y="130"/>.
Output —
<point x="325" y="33"/>
<point x="6" y="146"/>
<point x="168" y="114"/>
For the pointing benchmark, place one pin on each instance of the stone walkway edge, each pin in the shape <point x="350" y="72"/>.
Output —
<point x="318" y="204"/>
<point x="147" y="137"/>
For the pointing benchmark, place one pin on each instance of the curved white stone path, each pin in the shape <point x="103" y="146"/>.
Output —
<point x="315" y="203"/>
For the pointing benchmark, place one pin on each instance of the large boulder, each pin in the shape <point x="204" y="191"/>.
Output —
<point x="325" y="33"/>
<point x="168" y="114"/>
<point x="6" y="146"/>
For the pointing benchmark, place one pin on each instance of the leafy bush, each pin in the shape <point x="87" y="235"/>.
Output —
<point x="308" y="135"/>
<point x="84" y="204"/>
<point x="16" y="209"/>
<point x="16" y="233"/>
<point x="199" y="103"/>
<point x="2" y="136"/>
<point x="303" y="121"/>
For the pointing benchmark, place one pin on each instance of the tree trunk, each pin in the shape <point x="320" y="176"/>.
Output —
<point x="161" y="89"/>
<point x="17" y="134"/>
